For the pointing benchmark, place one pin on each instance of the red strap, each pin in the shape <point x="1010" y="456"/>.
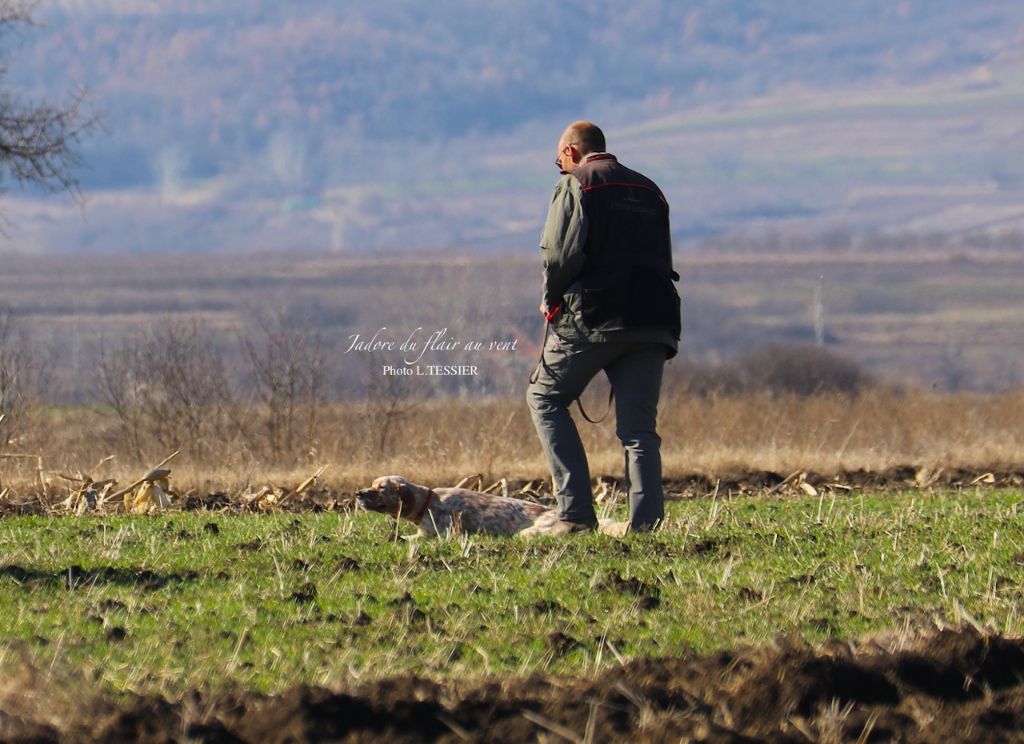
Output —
<point x="550" y="316"/>
<point x="594" y="186"/>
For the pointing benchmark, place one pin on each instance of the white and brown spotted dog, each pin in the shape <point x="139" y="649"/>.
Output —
<point x="439" y="511"/>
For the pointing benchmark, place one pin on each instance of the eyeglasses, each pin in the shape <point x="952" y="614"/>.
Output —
<point x="558" y="160"/>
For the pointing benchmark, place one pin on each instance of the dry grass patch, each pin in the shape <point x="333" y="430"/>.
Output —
<point x="440" y="441"/>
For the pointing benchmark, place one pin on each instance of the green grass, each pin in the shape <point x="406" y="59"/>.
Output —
<point x="266" y="601"/>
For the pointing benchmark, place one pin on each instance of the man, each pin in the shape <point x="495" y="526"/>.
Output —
<point x="611" y="302"/>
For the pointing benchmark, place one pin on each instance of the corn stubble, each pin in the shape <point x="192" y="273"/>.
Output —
<point x="439" y="441"/>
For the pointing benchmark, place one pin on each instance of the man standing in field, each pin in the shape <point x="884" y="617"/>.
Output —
<point x="611" y="302"/>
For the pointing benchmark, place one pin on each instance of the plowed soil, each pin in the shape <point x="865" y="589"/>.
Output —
<point x="946" y="686"/>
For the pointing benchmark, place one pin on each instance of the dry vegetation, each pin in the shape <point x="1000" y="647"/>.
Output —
<point x="440" y="441"/>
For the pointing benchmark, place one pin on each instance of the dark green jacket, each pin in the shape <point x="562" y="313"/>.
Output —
<point x="607" y="257"/>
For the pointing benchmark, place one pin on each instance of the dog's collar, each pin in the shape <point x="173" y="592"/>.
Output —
<point x="418" y="516"/>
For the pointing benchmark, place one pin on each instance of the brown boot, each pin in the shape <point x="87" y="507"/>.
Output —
<point x="615" y="529"/>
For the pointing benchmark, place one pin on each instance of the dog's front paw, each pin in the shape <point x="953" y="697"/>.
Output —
<point x="541" y="525"/>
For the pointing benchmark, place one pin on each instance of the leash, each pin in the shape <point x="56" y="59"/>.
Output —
<point x="548" y="320"/>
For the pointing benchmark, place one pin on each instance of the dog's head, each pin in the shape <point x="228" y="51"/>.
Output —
<point x="391" y="494"/>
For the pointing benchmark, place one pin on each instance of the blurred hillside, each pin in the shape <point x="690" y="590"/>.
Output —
<point x="244" y="124"/>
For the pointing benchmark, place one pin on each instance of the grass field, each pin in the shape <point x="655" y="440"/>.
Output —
<point x="202" y="600"/>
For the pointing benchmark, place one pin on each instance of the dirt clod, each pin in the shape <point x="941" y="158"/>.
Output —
<point x="348" y="564"/>
<point x="559" y="644"/>
<point x="305" y="593"/>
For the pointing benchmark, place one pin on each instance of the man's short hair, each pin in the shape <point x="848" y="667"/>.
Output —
<point x="587" y="137"/>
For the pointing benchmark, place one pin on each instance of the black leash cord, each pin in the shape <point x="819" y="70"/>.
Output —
<point x="536" y="375"/>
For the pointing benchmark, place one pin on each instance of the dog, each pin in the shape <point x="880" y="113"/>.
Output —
<point x="437" y="511"/>
<point x="440" y="511"/>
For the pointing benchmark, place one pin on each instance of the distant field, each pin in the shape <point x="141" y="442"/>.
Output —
<point x="933" y="319"/>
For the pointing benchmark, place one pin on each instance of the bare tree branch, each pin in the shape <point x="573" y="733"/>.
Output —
<point x="37" y="138"/>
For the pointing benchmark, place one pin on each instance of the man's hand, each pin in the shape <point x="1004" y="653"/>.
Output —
<point x="543" y="308"/>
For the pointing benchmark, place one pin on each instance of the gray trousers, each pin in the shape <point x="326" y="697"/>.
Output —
<point x="634" y="370"/>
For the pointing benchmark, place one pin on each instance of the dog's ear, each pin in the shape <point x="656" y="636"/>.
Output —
<point x="397" y="482"/>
